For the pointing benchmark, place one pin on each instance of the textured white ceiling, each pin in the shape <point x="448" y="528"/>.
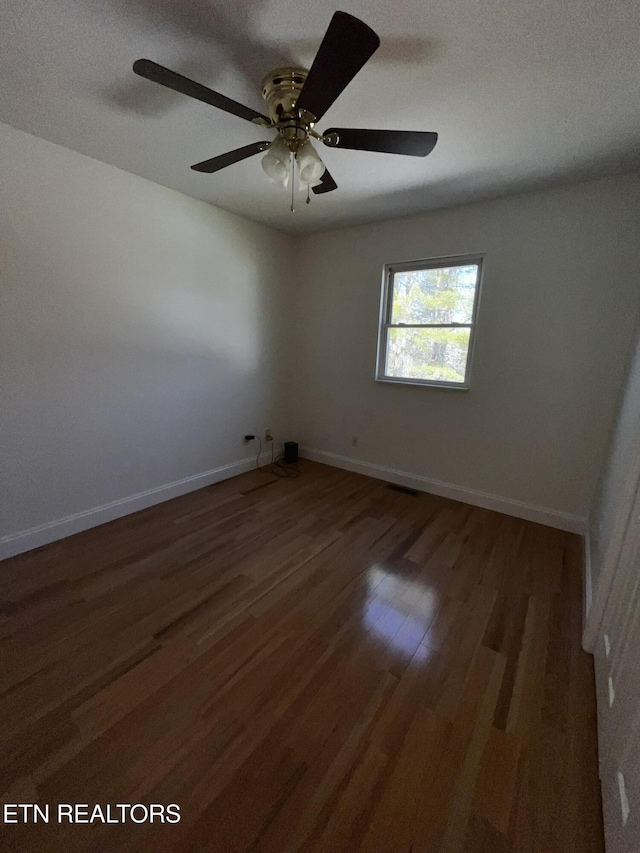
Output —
<point x="522" y="94"/>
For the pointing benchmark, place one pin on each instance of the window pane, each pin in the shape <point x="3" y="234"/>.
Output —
<point x="428" y="354"/>
<point x="442" y="295"/>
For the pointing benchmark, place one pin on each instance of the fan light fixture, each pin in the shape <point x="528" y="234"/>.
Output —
<point x="278" y="165"/>
<point x="296" y="100"/>
<point x="311" y="168"/>
<point x="276" y="162"/>
<point x="292" y="146"/>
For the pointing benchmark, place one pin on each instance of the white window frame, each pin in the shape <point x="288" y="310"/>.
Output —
<point x="386" y="304"/>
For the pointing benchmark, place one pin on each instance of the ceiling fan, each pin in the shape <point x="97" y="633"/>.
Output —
<point x="296" y="100"/>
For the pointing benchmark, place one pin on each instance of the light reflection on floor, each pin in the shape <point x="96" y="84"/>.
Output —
<point x="399" y="611"/>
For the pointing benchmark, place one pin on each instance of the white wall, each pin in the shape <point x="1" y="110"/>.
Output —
<point x="559" y="305"/>
<point x="142" y="333"/>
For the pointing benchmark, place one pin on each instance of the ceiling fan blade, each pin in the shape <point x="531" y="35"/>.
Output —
<point x="231" y="157"/>
<point x="415" y="143"/>
<point x="172" y="80"/>
<point x="345" y="48"/>
<point x="326" y="185"/>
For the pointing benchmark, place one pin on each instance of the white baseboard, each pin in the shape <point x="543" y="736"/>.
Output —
<point x="43" y="534"/>
<point x="519" y="509"/>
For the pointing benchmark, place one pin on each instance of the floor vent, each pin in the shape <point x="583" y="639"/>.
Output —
<point x="404" y="489"/>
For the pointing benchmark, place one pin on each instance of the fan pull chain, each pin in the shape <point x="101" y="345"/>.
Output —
<point x="308" y="198"/>
<point x="293" y="173"/>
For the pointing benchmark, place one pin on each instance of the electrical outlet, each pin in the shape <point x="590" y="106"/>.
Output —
<point x="267" y="435"/>
<point x="354" y="440"/>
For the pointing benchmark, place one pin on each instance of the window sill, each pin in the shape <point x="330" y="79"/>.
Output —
<point x="416" y="383"/>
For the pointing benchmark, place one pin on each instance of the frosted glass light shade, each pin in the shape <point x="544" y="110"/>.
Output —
<point x="276" y="162"/>
<point x="310" y="166"/>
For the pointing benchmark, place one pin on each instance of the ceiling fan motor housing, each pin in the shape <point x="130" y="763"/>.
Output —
<point x="281" y="89"/>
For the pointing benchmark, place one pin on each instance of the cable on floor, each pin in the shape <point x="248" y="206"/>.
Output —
<point x="278" y="467"/>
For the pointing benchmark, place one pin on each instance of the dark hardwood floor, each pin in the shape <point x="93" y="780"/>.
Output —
<point x="316" y="664"/>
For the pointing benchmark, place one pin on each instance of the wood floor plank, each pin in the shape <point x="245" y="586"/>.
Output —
<point x="308" y="665"/>
<point x="496" y="780"/>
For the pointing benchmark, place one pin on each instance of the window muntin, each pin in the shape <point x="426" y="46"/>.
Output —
<point x="428" y="318"/>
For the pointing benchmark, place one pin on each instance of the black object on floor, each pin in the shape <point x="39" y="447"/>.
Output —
<point x="290" y="452"/>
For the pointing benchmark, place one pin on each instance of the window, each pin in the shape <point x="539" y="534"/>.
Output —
<point x="428" y="318"/>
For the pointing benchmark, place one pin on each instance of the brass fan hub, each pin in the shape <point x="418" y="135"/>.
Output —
<point x="281" y="89"/>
